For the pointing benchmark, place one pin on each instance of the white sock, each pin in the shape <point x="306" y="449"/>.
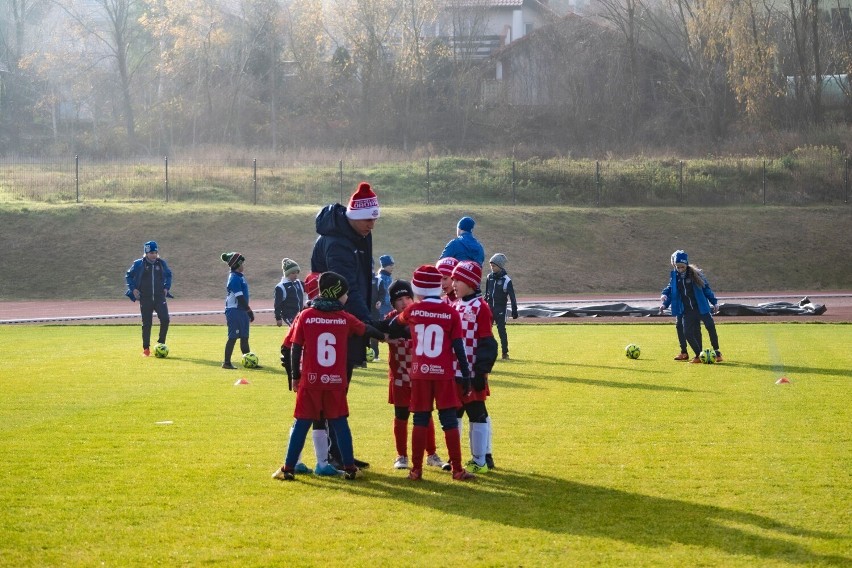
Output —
<point x="478" y="441"/>
<point x="321" y="447"/>
<point x="488" y="444"/>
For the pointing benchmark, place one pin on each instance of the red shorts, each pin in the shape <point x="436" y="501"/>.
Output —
<point x="474" y="395"/>
<point x="316" y="404"/>
<point x="399" y="394"/>
<point x="443" y="392"/>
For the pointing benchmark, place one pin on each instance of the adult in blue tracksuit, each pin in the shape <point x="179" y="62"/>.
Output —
<point x="692" y="301"/>
<point x="345" y="246"/>
<point x="149" y="280"/>
<point x="464" y="246"/>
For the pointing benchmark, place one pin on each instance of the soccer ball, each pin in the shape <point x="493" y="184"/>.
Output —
<point x="708" y="356"/>
<point x="632" y="351"/>
<point x="161" y="350"/>
<point x="371" y="355"/>
<point x="250" y="360"/>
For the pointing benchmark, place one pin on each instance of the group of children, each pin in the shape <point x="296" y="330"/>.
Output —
<point x="440" y="349"/>
<point x="440" y="352"/>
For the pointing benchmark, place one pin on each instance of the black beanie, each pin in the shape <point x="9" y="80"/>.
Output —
<point x="332" y="286"/>
<point x="400" y="289"/>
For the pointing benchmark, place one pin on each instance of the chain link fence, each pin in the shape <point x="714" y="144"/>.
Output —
<point x="806" y="177"/>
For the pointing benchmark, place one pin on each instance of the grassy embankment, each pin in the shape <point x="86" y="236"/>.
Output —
<point x="82" y="251"/>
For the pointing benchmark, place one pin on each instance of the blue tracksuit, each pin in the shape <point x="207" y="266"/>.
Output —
<point x="691" y="303"/>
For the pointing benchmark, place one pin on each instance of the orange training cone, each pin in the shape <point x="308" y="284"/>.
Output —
<point x="782" y="381"/>
<point x="242" y="381"/>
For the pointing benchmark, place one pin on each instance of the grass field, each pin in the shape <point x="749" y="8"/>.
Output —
<point x="602" y="460"/>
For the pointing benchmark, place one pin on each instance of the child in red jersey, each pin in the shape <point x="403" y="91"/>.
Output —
<point x="320" y="432"/>
<point x="436" y="336"/>
<point x="481" y="351"/>
<point x="399" y="387"/>
<point x="322" y="335"/>
<point x="445" y="267"/>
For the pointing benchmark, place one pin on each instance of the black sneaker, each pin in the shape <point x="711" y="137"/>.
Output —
<point x="227" y="365"/>
<point x="489" y="461"/>
<point x="361" y="464"/>
<point x="505" y="355"/>
<point x="350" y="473"/>
<point x="447" y="467"/>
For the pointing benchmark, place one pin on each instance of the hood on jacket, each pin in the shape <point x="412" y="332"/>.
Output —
<point x="332" y="221"/>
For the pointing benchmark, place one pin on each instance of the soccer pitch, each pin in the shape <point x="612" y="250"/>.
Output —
<point x="109" y="458"/>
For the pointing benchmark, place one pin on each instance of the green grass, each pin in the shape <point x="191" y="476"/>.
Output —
<point x="83" y="251"/>
<point x="602" y="460"/>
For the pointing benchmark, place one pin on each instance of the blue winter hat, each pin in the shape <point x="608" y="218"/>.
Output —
<point x="150" y="246"/>
<point x="466" y="224"/>
<point x="386" y="260"/>
<point x="679" y="257"/>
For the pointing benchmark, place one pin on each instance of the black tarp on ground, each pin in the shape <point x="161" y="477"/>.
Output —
<point x="803" y="308"/>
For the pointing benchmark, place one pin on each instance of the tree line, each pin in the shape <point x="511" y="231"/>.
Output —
<point x="117" y="78"/>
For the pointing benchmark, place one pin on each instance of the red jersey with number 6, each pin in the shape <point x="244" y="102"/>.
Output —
<point x="434" y="325"/>
<point x="324" y="337"/>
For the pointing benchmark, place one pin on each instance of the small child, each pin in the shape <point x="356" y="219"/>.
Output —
<point x="499" y="291"/>
<point x="319" y="432"/>
<point x="322" y="334"/>
<point x="436" y="335"/>
<point x="399" y="387"/>
<point x="481" y="351"/>
<point x="289" y="294"/>
<point x="238" y="314"/>
<point x="690" y="296"/>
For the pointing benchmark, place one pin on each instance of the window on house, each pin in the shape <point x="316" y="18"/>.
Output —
<point x="528" y="28"/>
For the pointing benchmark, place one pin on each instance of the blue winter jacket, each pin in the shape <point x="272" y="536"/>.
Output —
<point x="340" y="249"/>
<point x="464" y="247"/>
<point x="161" y="277"/>
<point x="704" y="297"/>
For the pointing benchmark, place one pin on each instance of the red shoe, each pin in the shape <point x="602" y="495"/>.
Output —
<point x="415" y="474"/>
<point x="695" y="360"/>
<point x="682" y="357"/>
<point x="719" y="357"/>
<point x="146" y="352"/>
<point x="463" y="475"/>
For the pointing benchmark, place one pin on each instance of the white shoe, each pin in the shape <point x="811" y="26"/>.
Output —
<point x="401" y="463"/>
<point x="435" y="461"/>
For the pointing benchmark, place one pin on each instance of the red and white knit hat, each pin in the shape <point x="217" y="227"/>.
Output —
<point x="312" y="285"/>
<point x="445" y="265"/>
<point x="363" y="204"/>
<point x="426" y="281"/>
<point x="468" y="272"/>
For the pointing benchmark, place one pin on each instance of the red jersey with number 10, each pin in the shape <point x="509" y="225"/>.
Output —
<point x="324" y="337"/>
<point x="434" y="325"/>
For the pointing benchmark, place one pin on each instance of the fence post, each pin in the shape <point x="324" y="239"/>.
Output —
<point x="340" y="177"/>
<point x="764" y="182"/>
<point x="428" y="182"/>
<point x="166" y="159"/>
<point x="598" y="180"/>
<point x="846" y="181"/>
<point x="254" y="179"/>
<point x="514" y="184"/>
<point x="680" y="182"/>
<point x="77" y="176"/>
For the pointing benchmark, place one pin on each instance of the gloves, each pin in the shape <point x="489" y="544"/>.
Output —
<point x="514" y="314"/>
<point x="464" y="383"/>
<point x="250" y="314"/>
<point x="478" y="383"/>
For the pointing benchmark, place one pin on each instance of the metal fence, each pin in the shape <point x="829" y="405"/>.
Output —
<point x="801" y="179"/>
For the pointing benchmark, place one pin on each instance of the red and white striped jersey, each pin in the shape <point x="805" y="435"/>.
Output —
<point x="399" y="358"/>
<point x="476" y="323"/>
